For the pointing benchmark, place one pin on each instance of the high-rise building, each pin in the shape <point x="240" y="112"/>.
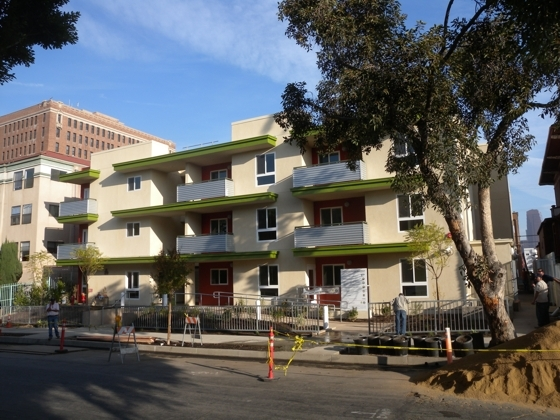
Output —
<point x="533" y="224"/>
<point x="54" y="129"/>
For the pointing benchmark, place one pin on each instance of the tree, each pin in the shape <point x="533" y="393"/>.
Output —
<point x="11" y="269"/>
<point x="27" y="23"/>
<point x="90" y="261"/>
<point x="170" y="273"/>
<point x="431" y="247"/>
<point x="438" y="92"/>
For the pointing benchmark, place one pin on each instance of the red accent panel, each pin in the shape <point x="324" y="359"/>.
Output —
<point x="315" y="155"/>
<point x="207" y="289"/>
<point x="355" y="212"/>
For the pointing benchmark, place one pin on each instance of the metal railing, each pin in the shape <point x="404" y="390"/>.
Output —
<point x="429" y="316"/>
<point x="235" y="318"/>
<point x="257" y="318"/>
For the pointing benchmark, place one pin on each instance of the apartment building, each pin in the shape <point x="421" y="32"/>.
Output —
<point x="258" y="219"/>
<point x="39" y="144"/>
<point x="62" y="131"/>
<point x="30" y="195"/>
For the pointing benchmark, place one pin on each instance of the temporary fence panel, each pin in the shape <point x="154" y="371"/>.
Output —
<point x="431" y="316"/>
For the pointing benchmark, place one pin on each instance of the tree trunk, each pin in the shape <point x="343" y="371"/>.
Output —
<point x="485" y="272"/>
<point x="168" y="321"/>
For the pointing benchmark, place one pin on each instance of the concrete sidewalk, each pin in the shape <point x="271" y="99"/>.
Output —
<point x="324" y="348"/>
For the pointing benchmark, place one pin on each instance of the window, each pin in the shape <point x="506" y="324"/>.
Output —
<point x="402" y="147"/>
<point x="134" y="183"/>
<point x="268" y="280"/>
<point x="58" y="132"/>
<point x="329" y="158"/>
<point x="97" y="144"/>
<point x="332" y="275"/>
<point x="24" y="251"/>
<point x="221" y="174"/>
<point x="414" y="281"/>
<point x="80" y="139"/>
<point x="29" y="178"/>
<point x="55" y="174"/>
<point x="69" y="122"/>
<point x="410" y="211"/>
<point x="331" y="216"/>
<point x="56" y="147"/>
<point x="73" y="151"/>
<point x="81" y="125"/>
<point x="79" y="153"/>
<point x="265" y="169"/>
<point x="218" y="276"/>
<point x="133" y="229"/>
<point x="85" y="154"/>
<point x="59" y="118"/>
<point x="133" y="285"/>
<point x="75" y="124"/>
<point x="218" y="227"/>
<point x="26" y="214"/>
<point x="67" y="150"/>
<point x="74" y="137"/>
<point x="18" y="180"/>
<point x="15" y="217"/>
<point x="54" y="210"/>
<point x="266" y="224"/>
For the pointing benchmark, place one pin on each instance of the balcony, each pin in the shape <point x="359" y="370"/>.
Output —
<point x="66" y="251"/>
<point x="78" y="212"/>
<point x="207" y="189"/>
<point x="343" y="234"/>
<point x="199" y="244"/>
<point x="327" y="173"/>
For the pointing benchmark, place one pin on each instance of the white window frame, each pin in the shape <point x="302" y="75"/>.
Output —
<point x="136" y="183"/>
<point x="218" y="174"/>
<point x="133" y="229"/>
<point x="269" y="280"/>
<point x="407" y="218"/>
<point x="15" y="214"/>
<point x="219" y="272"/>
<point x="18" y="180"/>
<point x="22" y="256"/>
<point x="268" y="227"/>
<point x="331" y="213"/>
<point x="333" y="157"/>
<point x="218" y="232"/>
<point x="401" y="147"/>
<point x="414" y="282"/>
<point x="263" y="170"/>
<point x="333" y="268"/>
<point x="26" y="214"/>
<point x="132" y="285"/>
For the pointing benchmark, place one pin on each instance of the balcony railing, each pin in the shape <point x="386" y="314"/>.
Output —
<point x="206" y="189"/>
<point x="74" y="208"/>
<point x="327" y="173"/>
<point x="66" y="251"/>
<point x="343" y="234"/>
<point x="193" y="244"/>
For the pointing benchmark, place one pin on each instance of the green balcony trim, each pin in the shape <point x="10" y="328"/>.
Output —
<point x="347" y="186"/>
<point x="342" y="250"/>
<point x="80" y="177"/>
<point x="192" y="205"/>
<point x="236" y="146"/>
<point x="78" y="218"/>
<point x="194" y="258"/>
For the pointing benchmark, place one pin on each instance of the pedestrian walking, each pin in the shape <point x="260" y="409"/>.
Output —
<point x="540" y="300"/>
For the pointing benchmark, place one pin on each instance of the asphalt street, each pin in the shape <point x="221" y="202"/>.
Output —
<point x="84" y="384"/>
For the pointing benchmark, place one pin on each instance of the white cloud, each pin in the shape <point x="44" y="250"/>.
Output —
<point x="242" y="33"/>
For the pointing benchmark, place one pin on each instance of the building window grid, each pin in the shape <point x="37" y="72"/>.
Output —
<point x="266" y="172"/>
<point x="266" y="224"/>
<point x="414" y="278"/>
<point x="132" y="285"/>
<point x="133" y="229"/>
<point x="408" y="213"/>
<point x="15" y="217"/>
<point x="134" y="183"/>
<point x="332" y="274"/>
<point x="268" y="280"/>
<point x="26" y="214"/>
<point x="24" y="251"/>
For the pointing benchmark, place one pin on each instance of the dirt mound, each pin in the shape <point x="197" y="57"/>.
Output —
<point x="515" y="376"/>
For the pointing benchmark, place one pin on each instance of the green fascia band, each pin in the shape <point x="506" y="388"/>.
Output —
<point x="267" y="197"/>
<point x="80" y="177"/>
<point x="78" y="219"/>
<point x="348" y="186"/>
<point x="236" y="146"/>
<point x="343" y="250"/>
<point x="194" y="258"/>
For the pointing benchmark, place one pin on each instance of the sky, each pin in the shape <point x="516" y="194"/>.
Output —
<point x="184" y="70"/>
